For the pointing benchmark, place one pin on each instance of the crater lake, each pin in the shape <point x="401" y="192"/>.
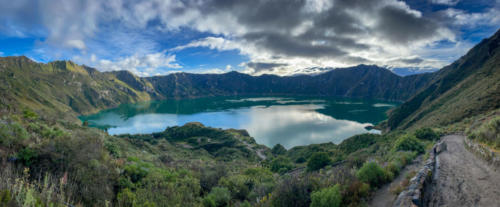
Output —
<point x="290" y="121"/>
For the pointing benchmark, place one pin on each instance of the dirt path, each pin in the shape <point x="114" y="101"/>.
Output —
<point x="384" y="197"/>
<point x="464" y="179"/>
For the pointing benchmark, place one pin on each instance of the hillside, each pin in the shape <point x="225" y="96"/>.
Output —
<point x="62" y="86"/>
<point x="359" y="81"/>
<point x="470" y="86"/>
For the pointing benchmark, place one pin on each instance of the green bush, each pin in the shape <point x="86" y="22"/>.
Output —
<point x="426" y="134"/>
<point x="208" y="201"/>
<point x="318" y="160"/>
<point x="300" y="160"/>
<point x="27" y="156"/>
<point x="488" y="132"/>
<point x="278" y="149"/>
<point x="220" y="195"/>
<point x="136" y="171"/>
<point x="328" y="197"/>
<point x="372" y="174"/>
<point x="126" y="198"/>
<point x="409" y="143"/>
<point x="29" y="114"/>
<point x="281" y="164"/>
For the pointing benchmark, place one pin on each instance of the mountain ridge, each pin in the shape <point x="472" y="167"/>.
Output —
<point x="63" y="86"/>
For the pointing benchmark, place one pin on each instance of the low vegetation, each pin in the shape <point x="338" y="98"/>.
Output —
<point x="56" y="163"/>
<point x="487" y="132"/>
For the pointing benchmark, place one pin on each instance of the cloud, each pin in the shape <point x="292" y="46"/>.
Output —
<point x="445" y="2"/>
<point x="145" y="65"/>
<point x="257" y="67"/>
<point x="290" y="36"/>
<point x="304" y="35"/>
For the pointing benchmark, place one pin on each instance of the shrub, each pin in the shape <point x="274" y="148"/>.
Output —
<point x="278" y="149"/>
<point x="281" y="164"/>
<point x="372" y="174"/>
<point x="210" y="177"/>
<point x="328" y="197"/>
<point x="209" y="202"/>
<point x="12" y="134"/>
<point x="220" y="195"/>
<point x="300" y="160"/>
<point x="488" y="132"/>
<point x="318" y="160"/>
<point x="239" y="186"/>
<point x="294" y="192"/>
<point x="27" y="156"/>
<point x="426" y="134"/>
<point x="136" y="171"/>
<point x="28" y="114"/>
<point x="409" y="143"/>
<point x="126" y="198"/>
<point x="354" y="192"/>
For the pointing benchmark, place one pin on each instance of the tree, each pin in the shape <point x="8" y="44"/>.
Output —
<point x="318" y="160"/>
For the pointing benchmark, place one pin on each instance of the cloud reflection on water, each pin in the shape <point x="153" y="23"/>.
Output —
<point x="298" y="122"/>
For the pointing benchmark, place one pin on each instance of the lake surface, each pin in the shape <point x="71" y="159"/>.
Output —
<point x="290" y="121"/>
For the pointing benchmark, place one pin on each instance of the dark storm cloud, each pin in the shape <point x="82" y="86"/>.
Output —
<point x="334" y="31"/>
<point x="258" y="66"/>
<point x="292" y="46"/>
<point x="402" y="27"/>
<point x="412" y="60"/>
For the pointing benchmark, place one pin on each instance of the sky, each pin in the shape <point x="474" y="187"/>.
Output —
<point x="282" y="37"/>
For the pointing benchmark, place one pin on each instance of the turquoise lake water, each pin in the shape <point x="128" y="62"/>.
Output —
<point x="290" y="121"/>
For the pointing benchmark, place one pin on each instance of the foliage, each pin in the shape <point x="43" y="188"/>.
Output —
<point x="17" y="189"/>
<point x="488" y="132"/>
<point x="281" y="164"/>
<point x="219" y="195"/>
<point x="328" y="197"/>
<point x="357" y="142"/>
<point x="409" y="143"/>
<point x="278" y="149"/>
<point x="372" y="174"/>
<point x="355" y="192"/>
<point x="318" y="160"/>
<point x="426" y="134"/>
<point x="294" y="191"/>
<point x="29" y="114"/>
<point x="27" y="156"/>
<point x="13" y="134"/>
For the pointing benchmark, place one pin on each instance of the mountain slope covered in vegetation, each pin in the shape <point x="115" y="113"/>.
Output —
<point x="470" y="86"/>
<point x="63" y="87"/>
